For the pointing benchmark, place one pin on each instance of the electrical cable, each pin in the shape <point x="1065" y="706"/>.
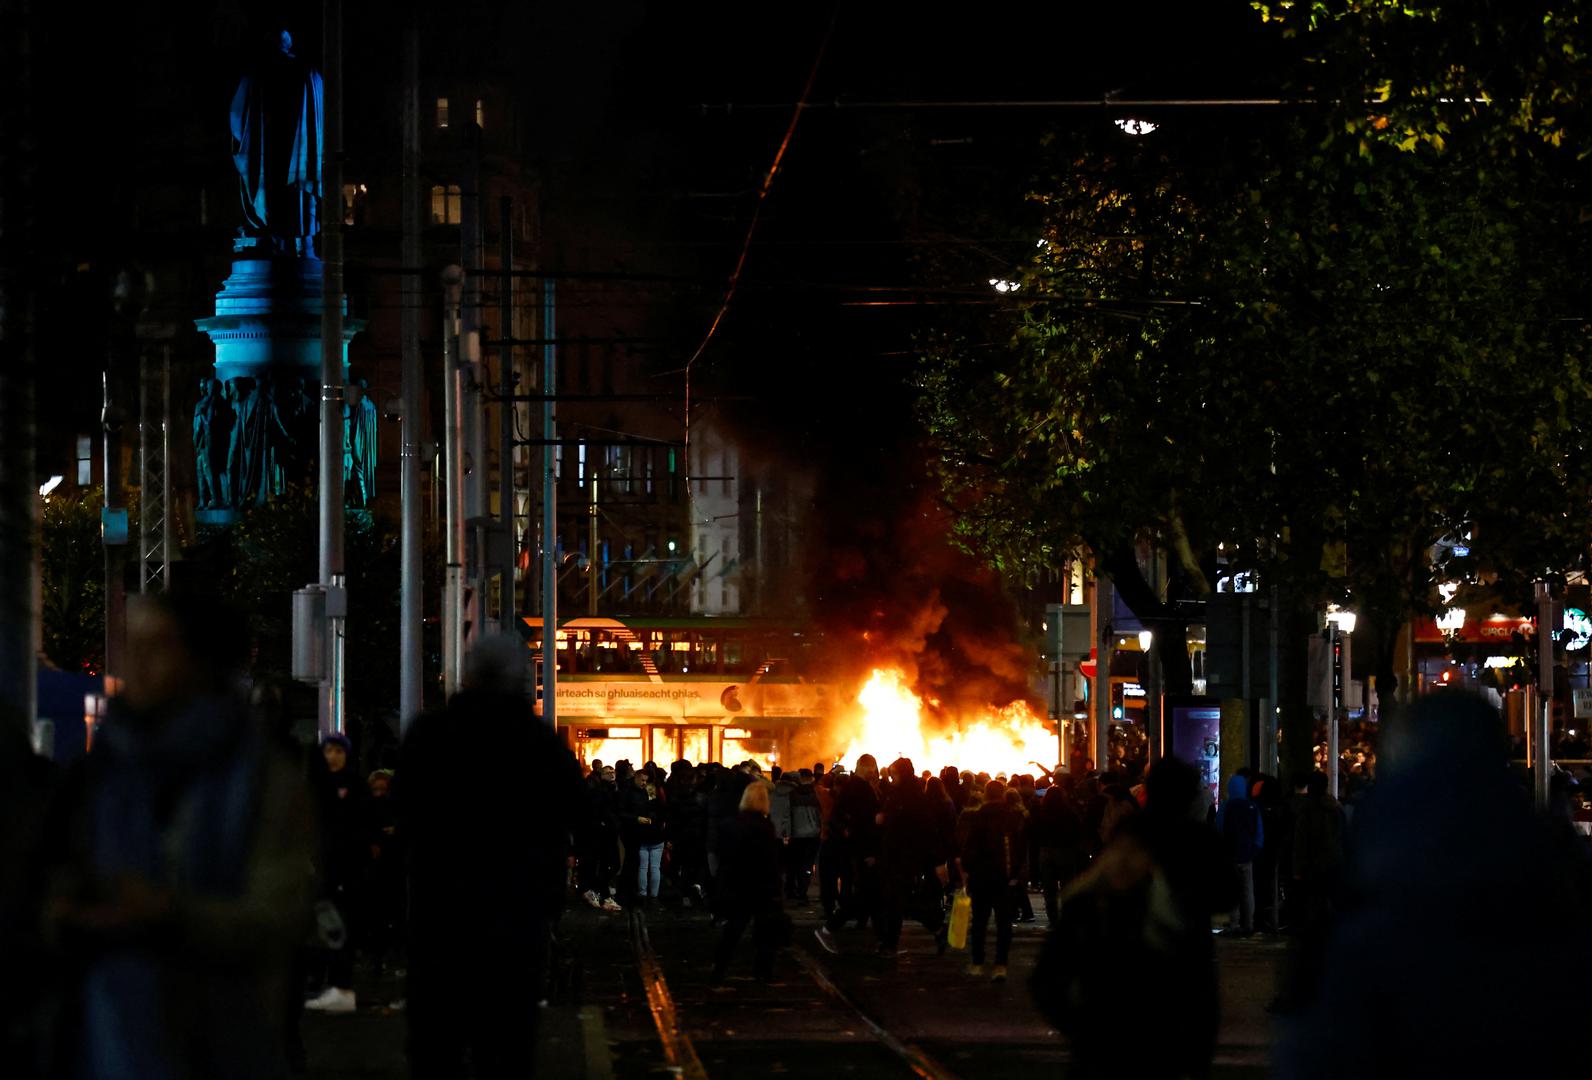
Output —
<point x="751" y="230"/>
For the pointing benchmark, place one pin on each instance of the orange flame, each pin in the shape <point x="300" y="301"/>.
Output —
<point x="890" y="724"/>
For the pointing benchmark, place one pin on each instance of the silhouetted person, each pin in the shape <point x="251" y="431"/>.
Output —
<point x="487" y="868"/>
<point x="180" y="890"/>
<point x="343" y="854"/>
<point x="992" y="857"/>
<point x="749" y="884"/>
<point x="1134" y="941"/>
<point x="26" y="781"/>
<point x="1461" y="941"/>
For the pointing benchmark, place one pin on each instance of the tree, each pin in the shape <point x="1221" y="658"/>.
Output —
<point x="1273" y="342"/>
<point x="272" y="551"/>
<point x="73" y="581"/>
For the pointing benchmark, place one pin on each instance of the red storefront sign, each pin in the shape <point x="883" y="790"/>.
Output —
<point x="1490" y="631"/>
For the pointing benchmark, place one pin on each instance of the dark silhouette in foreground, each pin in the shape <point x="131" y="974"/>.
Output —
<point x="1461" y="940"/>
<point x="488" y="864"/>
<point x="1134" y="941"/>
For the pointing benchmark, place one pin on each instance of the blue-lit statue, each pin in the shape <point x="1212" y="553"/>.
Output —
<point x="276" y="146"/>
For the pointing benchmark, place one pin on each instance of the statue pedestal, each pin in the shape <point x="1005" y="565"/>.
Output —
<point x="268" y="319"/>
<point x="260" y="420"/>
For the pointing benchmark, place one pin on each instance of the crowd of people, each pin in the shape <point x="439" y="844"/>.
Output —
<point x="172" y="903"/>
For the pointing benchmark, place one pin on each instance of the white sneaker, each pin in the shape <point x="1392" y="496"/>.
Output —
<point x="610" y="904"/>
<point x="591" y="898"/>
<point x="827" y="940"/>
<point x="333" y="1000"/>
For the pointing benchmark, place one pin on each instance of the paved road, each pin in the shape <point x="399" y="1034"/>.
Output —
<point x="823" y="1017"/>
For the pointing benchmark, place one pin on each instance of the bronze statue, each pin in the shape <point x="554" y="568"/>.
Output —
<point x="359" y="445"/>
<point x="206" y="420"/>
<point x="247" y="465"/>
<point x="276" y="146"/>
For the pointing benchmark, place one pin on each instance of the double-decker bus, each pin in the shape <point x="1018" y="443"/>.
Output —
<point x="703" y="688"/>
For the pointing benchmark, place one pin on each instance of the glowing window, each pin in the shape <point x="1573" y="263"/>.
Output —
<point x="445" y="204"/>
<point x="442" y="112"/>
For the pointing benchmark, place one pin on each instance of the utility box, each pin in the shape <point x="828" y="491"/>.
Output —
<point x="309" y="634"/>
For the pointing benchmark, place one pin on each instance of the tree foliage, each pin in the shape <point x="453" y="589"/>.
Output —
<point x="273" y="550"/>
<point x="1314" y="350"/>
<point x="72" y="571"/>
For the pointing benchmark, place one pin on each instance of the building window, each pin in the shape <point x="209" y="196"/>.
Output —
<point x="85" y="460"/>
<point x="480" y="113"/>
<point x="442" y="113"/>
<point x="445" y="204"/>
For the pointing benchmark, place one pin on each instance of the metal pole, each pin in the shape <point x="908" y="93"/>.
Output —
<point x="549" y="513"/>
<point x="1542" y="718"/>
<point x="506" y="515"/>
<point x="1100" y="735"/>
<point x="19" y="489"/>
<point x="475" y="612"/>
<point x="591" y="545"/>
<point x="1273" y="751"/>
<point x="1332" y="715"/>
<point x="411" y="587"/>
<point x="453" y="453"/>
<point x="168" y="535"/>
<point x="113" y="418"/>
<point x="331" y="515"/>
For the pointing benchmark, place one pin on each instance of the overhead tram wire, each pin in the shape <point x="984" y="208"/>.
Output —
<point x="751" y="231"/>
<point x="1106" y="102"/>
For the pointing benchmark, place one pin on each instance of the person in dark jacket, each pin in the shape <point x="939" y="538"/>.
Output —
<point x="749" y="884"/>
<point x="598" y="839"/>
<point x="641" y="815"/>
<point x="1136" y="928"/>
<point x="1242" y="829"/>
<point x="384" y="880"/>
<point x="344" y="854"/>
<point x="806" y="823"/>
<point x="1461" y="943"/>
<point x="178" y="883"/>
<point x="1058" y="834"/>
<point x="723" y="809"/>
<point x="484" y="887"/>
<point x="912" y="864"/>
<point x="854" y="836"/>
<point x="992" y="866"/>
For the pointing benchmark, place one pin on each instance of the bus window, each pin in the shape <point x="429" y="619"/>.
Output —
<point x="705" y="654"/>
<point x="737" y="657"/>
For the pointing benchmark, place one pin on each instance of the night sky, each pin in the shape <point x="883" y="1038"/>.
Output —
<point x="651" y="127"/>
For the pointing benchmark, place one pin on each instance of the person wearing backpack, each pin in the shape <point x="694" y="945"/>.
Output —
<point x="806" y="821"/>
<point x="1244" y="835"/>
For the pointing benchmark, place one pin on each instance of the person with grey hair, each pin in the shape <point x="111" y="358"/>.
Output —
<point x="749" y="886"/>
<point x="484" y="890"/>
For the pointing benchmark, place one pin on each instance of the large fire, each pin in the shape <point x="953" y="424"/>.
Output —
<point x="891" y="724"/>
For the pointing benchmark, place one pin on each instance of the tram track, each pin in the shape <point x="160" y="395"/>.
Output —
<point x="681" y="1053"/>
<point x="920" y="1061"/>
<point x="677" y="1045"/>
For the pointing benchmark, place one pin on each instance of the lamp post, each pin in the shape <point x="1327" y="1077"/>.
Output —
<point x="1339" y="625"/>
<point x="1542" y="721"/>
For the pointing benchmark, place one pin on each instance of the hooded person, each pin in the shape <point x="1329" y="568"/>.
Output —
<point x="179" y="883"/>
<point x="487" y="868"/>
<point x="1244" y="833"/>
